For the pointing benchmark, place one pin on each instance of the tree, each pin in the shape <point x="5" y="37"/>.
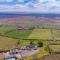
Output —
<point x="18" y="42"/>
<point x="47" y="48"/>
<point x="31" y="43"/>
<point x="40" y="44"/>
<point x="31" y="28"/>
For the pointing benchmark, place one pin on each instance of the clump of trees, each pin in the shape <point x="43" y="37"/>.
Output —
<point x="17" y="42"/>
<point x="40" y="44"/>
<point x="31" y="43"/>
<point x="31" y="28"/>
<point x="47" y="48"/>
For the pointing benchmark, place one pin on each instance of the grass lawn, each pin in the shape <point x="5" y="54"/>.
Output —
<point x="43" y="34"/>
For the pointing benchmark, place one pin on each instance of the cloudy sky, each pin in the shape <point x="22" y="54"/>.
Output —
<point x="30" y="6"/>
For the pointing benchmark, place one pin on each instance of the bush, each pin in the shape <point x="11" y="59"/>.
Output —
<point x="31" y="28"/>
<point x="48" y="49"/>
<point x="40" y="44"/>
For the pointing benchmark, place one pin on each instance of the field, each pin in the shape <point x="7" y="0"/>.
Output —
<point x="6" y="42"/>
<point x="18" y="35"/>
<point x="9" y="43"/>
<point x="4" y="29"/>
<point x="9" y="32"/>
<point x="9" y="37"/>
<point x="55" y="48"/>
<point x="56" y="34"/>
<point x="43" y="34"/>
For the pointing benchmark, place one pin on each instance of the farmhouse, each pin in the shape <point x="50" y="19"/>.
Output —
<point x="29" y="47"/>
<point x="21" y="27"/>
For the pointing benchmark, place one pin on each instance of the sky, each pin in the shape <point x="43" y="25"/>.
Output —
<point x="30" y="6"/>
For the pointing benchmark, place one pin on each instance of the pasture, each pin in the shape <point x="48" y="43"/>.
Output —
<point x="55" y="48"/>
<point x="9" y="34"/>
<point x="44" y="34"/>
<point x="9" y="37"/>
<point x="18" y="35"/>
<point x="4" y="29"/>
<point x="56" y="34"/>
<point x="6" y="42"/>
<point x="9" y="43"/>
<point x="10" y="31"/>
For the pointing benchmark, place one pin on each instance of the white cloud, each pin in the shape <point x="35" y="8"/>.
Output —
<point x="9" y="0"/>
<point x="41" y="6"/>
<point x="2" y="0"/>
<point x="6" y="0"/>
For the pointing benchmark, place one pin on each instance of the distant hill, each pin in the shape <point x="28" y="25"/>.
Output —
<point x="10" y="15"/>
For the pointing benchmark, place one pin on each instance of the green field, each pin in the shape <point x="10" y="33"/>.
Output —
<point x="4" y="29"/>
<point x="10" y="31"/>
<point x="55" y="48"/>
<point x="56" y="34"/>
<point x="18" y="35"/>
<point x="9" y="37"/>
<point x="43" y="34"/>
<point x="9" y="34"/>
